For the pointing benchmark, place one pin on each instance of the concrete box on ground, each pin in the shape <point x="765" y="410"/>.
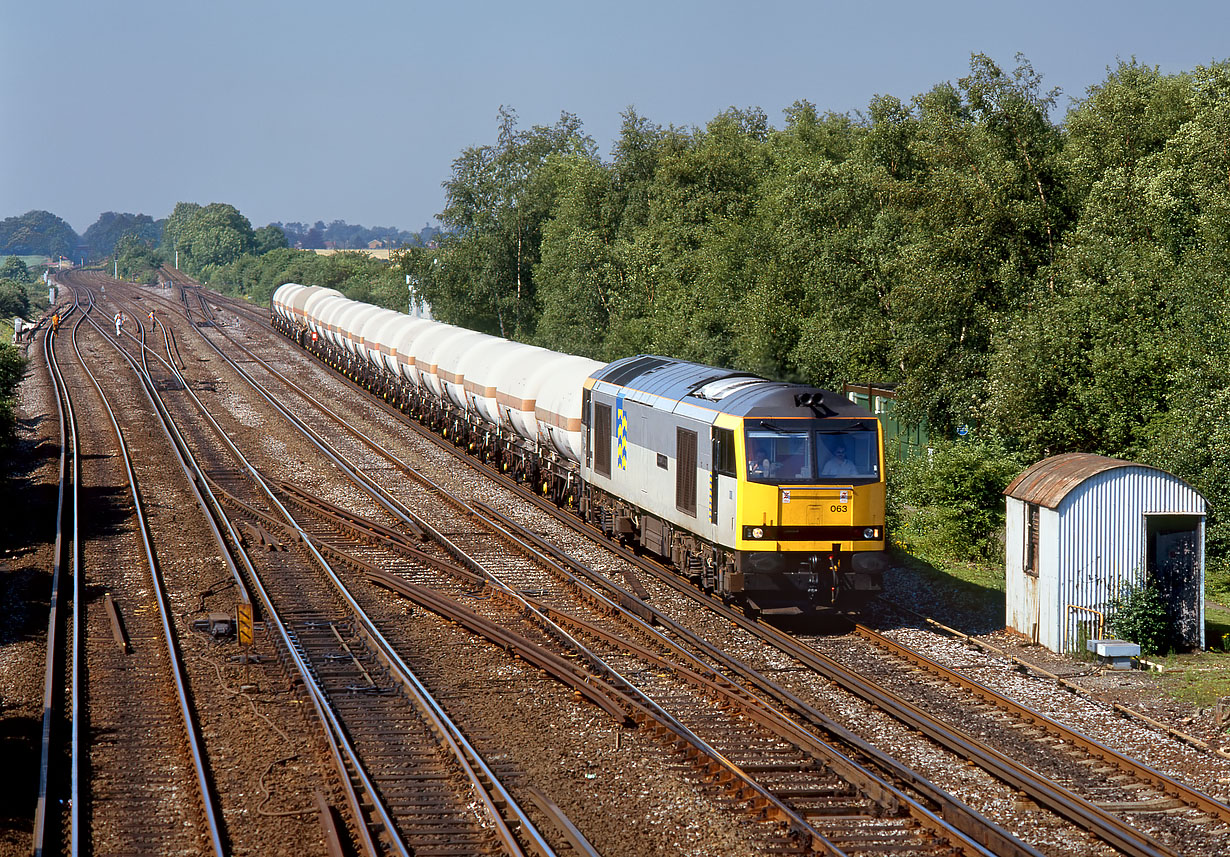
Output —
<point x="1117" y="653"/>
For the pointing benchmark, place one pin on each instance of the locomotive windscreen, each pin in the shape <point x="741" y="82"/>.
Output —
<point x="780" y="453"/>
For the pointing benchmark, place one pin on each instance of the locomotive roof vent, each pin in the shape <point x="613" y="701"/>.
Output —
<point x="717" y="389"/>
<point x="640" y="366"/>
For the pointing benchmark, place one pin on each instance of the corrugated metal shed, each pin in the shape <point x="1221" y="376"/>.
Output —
<point x="1050" y="480"/>
<point x="1082" y="527"/>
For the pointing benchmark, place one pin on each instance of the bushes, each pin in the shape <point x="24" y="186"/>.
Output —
<point x="12" y="367"/>
<point x="950" y="503"/>
<point x="14" y="299"/>
<point x="1140" y="616"/>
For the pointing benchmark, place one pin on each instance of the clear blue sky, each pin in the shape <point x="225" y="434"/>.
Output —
<point x="355" y="110"/>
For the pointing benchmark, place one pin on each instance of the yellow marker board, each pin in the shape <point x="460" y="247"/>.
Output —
<point x="245" y="623"/>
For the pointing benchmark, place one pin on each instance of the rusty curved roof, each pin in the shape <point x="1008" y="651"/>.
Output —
<point x="1050" y="480"/>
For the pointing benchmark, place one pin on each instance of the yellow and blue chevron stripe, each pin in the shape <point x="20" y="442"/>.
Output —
<point x="621" y="434"/>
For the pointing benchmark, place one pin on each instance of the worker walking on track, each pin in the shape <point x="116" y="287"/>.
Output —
<point x="55" y="322"/>
<point x="119" y="323"/>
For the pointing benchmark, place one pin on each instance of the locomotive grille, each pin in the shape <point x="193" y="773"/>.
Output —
<point x="602" y="439"/>
<point x="685" y="471"/>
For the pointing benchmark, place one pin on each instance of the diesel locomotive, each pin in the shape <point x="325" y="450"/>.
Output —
<point x="760" y="491"/>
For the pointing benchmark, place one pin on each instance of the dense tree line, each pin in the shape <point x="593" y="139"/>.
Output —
<point x="349" y="236"/>
<point x="15" y="282"/>
<point x="1054" y="286"/>
<point x="101" y="238"/>
<point x="41" y="233"/>
<point x="357" y="275"/>
<point x="37" y="233"/>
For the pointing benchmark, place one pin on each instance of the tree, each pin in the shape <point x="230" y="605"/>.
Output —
<point x="16" y="270"/>
<point x="12" y="369"/>
<point x="951" y="501"/>
<point x="13" y="299"/>
<point x="702" y="201"/>
<point x="580" y="272"/>
<point x="135" y="256"/>
<point x="1139" y="616"/>
<point x="269" y="238"/>
<point x="37" y="233"/>
<point x="1129" y="116"/>
<point x="176" y="223"/>
<point x="100" y="239"/>
<point x="214" y="235"/>
<point x="496" y="203"/>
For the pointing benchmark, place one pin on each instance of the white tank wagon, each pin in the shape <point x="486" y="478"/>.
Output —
<point x="284" y="297"/>
<point x="449" y="358"/>
<point x="379" y="338"/>
<point x="513" y="404"/>
<point x="482" y="367"/>
<point x="327" y="314"/>
<point x="558" y="402"/>
<point x="313" y="310"/>
<point x="290" y="300"/>
<point x="424" y="350"/>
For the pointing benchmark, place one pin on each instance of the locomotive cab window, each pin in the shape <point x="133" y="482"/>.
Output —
<point x="847" y="454"/>
<point x="781" y="452"/>
<point x="724" y="451"/>
<point x="778" y="455"/>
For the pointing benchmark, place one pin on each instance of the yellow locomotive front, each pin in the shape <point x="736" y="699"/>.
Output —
<point x="810" y="511"/>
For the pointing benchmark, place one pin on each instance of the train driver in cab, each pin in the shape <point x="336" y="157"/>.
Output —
<point x="839" y="463"/>
<point x="758" y="463"/>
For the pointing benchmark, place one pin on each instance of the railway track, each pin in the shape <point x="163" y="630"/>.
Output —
<point x="371" y="704"/>
<point x="139" y="781"/>
<point x="472" y="545"/>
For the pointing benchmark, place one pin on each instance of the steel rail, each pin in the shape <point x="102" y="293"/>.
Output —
<point x="702" y="674"/>
<point x="271" y="369"/>
<point x="664" y="718"/>
<point x="678" y="728"/>
<point x="69" y="475"/>
<point x="965" y="820"/>
<point x="682" y="730"/>
<point x="1075" y="808"/>
<point x="470" y="760"/>
<point x="1080" y="811"/>
<point x="334" y="737"/>
<point x="392" y="505"/>
<point x="1168" y="785"/>
<point x="1070" y="686"/>
<point x="178" y="672"/>
<point x="465" y="754"/>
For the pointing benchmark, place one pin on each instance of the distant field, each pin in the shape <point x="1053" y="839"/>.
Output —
<point x="378" y="253"/>
<point x="32" y="262"/>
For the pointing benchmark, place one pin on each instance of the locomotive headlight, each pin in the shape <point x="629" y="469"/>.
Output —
<point x="757" y="533"/>
<point x="870" y="533"/>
